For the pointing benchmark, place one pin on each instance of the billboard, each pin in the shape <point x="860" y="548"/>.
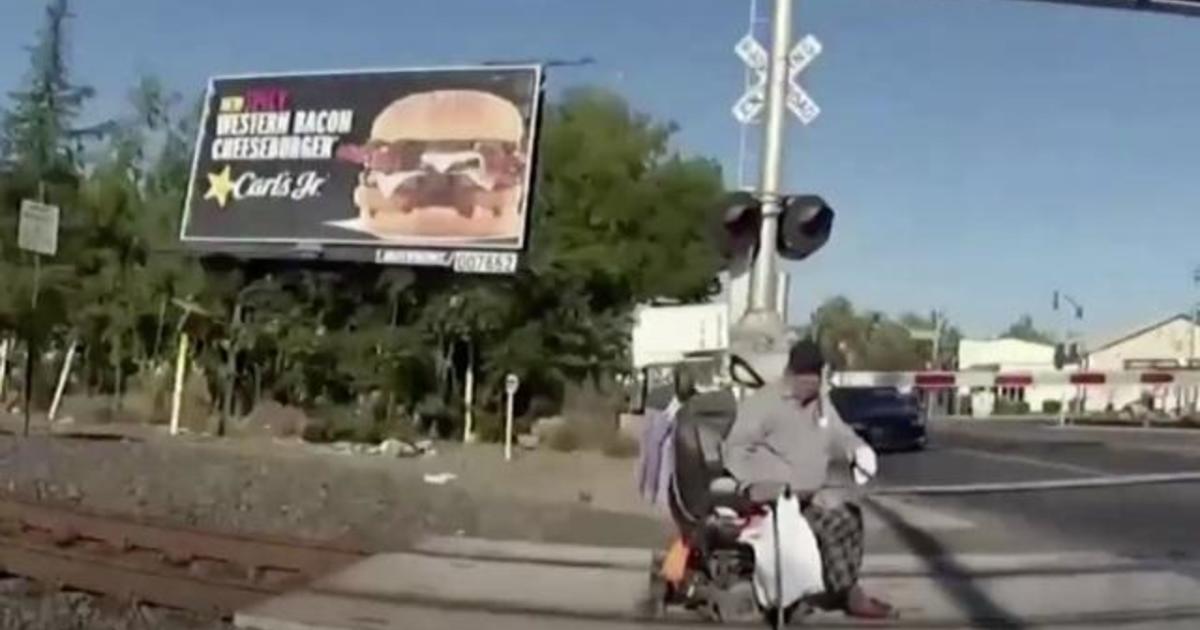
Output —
<point x="409" y="166"/>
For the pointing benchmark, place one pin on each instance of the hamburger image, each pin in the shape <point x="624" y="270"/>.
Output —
<point x="445" y="164"/>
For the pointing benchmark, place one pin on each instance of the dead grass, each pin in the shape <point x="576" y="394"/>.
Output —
<point x="621" y="446"/>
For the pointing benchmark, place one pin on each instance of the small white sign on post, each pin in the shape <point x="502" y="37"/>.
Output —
<point x="38" y="228"/>
<point x="511" y="384"/>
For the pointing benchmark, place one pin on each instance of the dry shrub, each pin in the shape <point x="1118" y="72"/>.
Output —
<point x="148" y="400"/>
<point x="621" y="446"/>
<point x="565" y="438"/>
<point x="274" y="419"/>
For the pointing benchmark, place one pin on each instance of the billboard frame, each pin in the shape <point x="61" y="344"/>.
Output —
<point x="276" y="247"/>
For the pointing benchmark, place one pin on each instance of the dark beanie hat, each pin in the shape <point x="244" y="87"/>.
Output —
<point x="805" y="358"/>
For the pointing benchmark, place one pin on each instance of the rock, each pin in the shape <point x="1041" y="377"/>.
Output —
<point x="15" y="586"/>
<point x="440" y="479"/>
<point x="393" y="447"/>
<point x="273" y="419"/>
<point x="544" y="427"/>
<point x="528" y="441"/>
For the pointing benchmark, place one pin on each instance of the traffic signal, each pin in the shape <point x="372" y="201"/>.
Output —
<point x="1065" y="354"/>
<point x="805" y="223"/>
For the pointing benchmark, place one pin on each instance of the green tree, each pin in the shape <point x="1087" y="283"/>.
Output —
<point x="871" y="340"/>
<point x="1025" y="330"/>
<point x="948" y="340"/>
<point x="619" y="218"/>
<point x="39" y="135"/>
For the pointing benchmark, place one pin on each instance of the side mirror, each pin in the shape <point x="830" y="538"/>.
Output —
<point x="744" y="374"/>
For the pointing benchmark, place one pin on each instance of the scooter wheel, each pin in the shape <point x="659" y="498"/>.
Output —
<point x="654" y="606"/>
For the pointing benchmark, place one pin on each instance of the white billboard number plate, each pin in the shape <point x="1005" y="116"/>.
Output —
<point x="38" y="229"/>
<point x="485" y="262"/>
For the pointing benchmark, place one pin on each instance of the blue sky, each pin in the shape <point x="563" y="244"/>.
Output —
<point x="981" y="153"/>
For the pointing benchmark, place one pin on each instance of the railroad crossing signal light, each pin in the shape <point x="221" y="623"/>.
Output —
<point x="739" y="220"/>
<point x="805" y="223"/>
<point x="804" y="226"/>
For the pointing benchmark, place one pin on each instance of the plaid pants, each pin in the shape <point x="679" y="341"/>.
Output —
<point x="839" y="533"/>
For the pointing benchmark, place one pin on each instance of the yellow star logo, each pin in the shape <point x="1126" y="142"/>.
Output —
<point x="220" y="185"/>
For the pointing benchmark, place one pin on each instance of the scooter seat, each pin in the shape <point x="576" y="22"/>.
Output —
<point x="700" y="427"/>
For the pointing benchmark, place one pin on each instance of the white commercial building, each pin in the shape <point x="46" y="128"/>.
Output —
<point x="1168" y="344"/>
<point x="665" y="334"/>
<point x="1009" y="356"/>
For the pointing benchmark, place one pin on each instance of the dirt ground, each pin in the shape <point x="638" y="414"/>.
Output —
<point x="290" y="488"/>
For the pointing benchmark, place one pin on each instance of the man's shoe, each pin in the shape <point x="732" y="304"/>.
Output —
<point x="863" y="606"/>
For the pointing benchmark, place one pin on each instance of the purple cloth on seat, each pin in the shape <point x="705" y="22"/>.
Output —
<point x="657" y="462"/>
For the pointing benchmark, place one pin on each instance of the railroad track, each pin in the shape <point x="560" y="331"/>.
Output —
<point x="119" y="556"/>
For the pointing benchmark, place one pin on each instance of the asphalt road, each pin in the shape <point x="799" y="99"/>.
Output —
<point x="1146" y="521"/>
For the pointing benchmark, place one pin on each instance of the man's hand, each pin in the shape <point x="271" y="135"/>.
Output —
<point x="865" y="464"/>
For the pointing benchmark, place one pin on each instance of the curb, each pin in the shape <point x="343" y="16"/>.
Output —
<point x="636" y="559"/>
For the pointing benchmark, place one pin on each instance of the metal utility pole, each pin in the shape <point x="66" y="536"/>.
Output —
<point x="1077" y="311"/>
<point x="763" y="280"/>
<point x="1194" y="394"/>
<point x="762" y="324"/>
<point x="1195" y="318"/>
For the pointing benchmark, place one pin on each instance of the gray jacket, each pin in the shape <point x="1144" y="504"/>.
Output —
<point x="775" y="440"/>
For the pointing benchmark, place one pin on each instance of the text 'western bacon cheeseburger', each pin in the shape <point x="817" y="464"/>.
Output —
<point x="447" y="163"/>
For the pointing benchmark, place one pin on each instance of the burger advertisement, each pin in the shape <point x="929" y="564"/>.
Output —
<point x="417" y="167"/>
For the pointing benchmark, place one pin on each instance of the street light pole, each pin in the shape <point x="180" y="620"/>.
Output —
<point x="762" y="321"/>
<point x="1077" y="309"/>
<point x="1195" y="317"/>
<point x="1194" y="394"/>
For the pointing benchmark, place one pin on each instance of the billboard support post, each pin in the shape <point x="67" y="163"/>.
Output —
<point x="235" y="330"/>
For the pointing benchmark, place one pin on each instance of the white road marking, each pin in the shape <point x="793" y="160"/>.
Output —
<point x="1048" y="484"/>
<point x="1031" y="461"/>
<point x="919" y="516"/>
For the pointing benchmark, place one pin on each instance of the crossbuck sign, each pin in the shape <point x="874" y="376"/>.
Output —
<point x="748" y="108"/>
